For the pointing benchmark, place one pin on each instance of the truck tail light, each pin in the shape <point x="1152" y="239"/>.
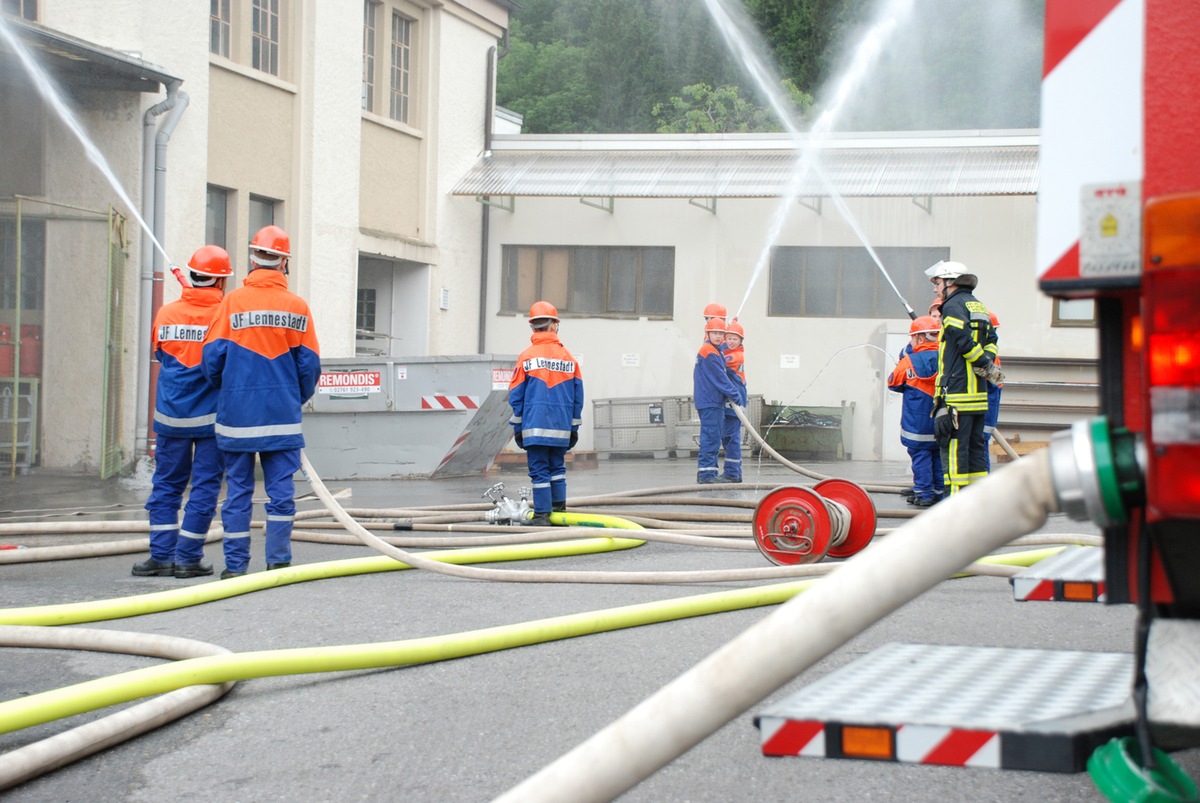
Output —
<point x="1170" y="304"/>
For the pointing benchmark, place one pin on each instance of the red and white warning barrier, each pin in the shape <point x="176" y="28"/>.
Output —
<point x="951" y="747"/>
<point x="439" y="402"/>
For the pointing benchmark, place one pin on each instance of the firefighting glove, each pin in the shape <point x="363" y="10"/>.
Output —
<point x="520" y="440"/>
<point x="943" y="425"/>
<point x="992" y="374"/>
<point x="574" y="440"/>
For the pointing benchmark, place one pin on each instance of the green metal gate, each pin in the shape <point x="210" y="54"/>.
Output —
<point x="112" y="456"/>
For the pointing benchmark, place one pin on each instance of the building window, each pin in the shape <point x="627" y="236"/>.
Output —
<point x="219" y="14"/>
<point x="590" y="280"/>
<point x="26" y="9"/>
<point x="261" y="213"/>
<point x="33" y="257"/>
<point x="216" y="216"/>
<point x="370" y="7"/>
<point x="364" y="317"/>
<point x="401" y="67"/>
<point x="264" y="36"/>
<point x="846" y="282"/>
<point x="1077" y="312"/>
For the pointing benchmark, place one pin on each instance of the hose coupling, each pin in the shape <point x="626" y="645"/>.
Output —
<point x="1098" y="471"/>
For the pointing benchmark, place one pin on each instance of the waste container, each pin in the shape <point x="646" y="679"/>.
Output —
<point x="821" y="433"/>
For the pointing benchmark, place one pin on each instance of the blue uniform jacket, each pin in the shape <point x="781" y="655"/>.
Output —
<point x="262" y="355"/>
<point x="914" y="377"/>
<point x="185" y="404"/>
<point x="546" y="393"/>
<point x="711" y="384"/>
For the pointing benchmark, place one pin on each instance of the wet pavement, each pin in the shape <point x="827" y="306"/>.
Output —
<point x="470" y="728"/>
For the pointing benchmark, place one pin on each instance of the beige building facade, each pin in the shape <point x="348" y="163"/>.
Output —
<point x="334" y="120"/>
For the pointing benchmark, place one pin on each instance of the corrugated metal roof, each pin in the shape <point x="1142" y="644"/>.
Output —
<point x="76" y="62"/>
<point x="860" y="169"/>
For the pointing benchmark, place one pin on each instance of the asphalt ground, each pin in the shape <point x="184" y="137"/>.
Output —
<point x="468" y="729"/>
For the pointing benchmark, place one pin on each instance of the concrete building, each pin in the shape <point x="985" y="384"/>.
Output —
<point x="345" y="123"/>
<point x="632" y="236"/>
<point x="368" y="131"/>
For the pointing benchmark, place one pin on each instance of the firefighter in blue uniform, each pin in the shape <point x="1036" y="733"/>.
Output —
<point x="262" y="355"/>
<point x="185" y="408"/>
<point x="546" y="395"/>
<point x="731" y="434"/>
<point x="712" y="392"/>
<point x="914" y="377"/>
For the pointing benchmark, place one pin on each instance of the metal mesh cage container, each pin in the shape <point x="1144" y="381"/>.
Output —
<point x="633" y="425"/>
<point x="687" y="432"/>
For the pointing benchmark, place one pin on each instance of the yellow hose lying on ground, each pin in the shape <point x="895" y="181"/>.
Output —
<point x="103" y="610"/>
<point x="91" y="695"/>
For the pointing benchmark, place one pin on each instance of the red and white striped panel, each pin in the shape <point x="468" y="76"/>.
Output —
<point x="786" y="737"/>
<point x="453" y="450"/>
<point x="953" y="747"/>
<point x="449" y="402"/>
<point x="1029" y="590"/>
<point x="1092" y="117"/>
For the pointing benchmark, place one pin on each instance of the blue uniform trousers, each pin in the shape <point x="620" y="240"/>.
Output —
<point x="176" y="461"/>
<point x="928" y="481"/>
<point x="278" y="468"/>
<point x="548" y="473"/>
<point x="731" y="442"/>
<point x="712" y="425"/>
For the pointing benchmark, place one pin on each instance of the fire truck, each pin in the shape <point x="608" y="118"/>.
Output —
<point x="1119" y="223"/>
<point x="1119" y="226"/>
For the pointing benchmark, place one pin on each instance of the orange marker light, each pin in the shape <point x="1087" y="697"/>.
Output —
<point x="876" y="743"/>
<point x="1079" y="592"/>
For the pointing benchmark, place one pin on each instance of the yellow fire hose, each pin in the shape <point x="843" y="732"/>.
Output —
<point x="91" y="695"/>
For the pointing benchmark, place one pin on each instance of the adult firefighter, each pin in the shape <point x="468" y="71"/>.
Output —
<point x="546" y="395"/>
<point x="262" y="355"/>
<point x="185" y="407"/>
<point x="966" y="353"/>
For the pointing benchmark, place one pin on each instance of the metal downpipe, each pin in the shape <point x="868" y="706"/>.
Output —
<point x="153" y="211"/>
<point x="866" y="588"/>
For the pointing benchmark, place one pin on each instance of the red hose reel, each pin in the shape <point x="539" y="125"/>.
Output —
<point x="795" y="525"/>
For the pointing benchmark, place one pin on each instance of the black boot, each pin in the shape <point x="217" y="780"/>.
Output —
<point x="226" y="574"/>
<point x="271" y="566"/>
<point x="539" y="520"/>
<point x="197" y="569"/>
<point x="154" y="568"/>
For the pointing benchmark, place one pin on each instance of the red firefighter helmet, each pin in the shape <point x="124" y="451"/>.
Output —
<point x="210" y="260"/>
<point x="995" y="320"/>
<point x="714" y="311"/>
<point x="270" y="246"/>
<point x="714" y="325"/>
<point x="925" y="324"/>
<point x="735" y="328"/>
<point x="542" y="310"/>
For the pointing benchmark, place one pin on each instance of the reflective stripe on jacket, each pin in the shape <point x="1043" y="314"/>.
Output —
<point x="262" y="355"/>
<point x="185" y="404"/>
<point x="914" y="377"/>
<point x="546" y="393"/>
<point x="968" y="340"/>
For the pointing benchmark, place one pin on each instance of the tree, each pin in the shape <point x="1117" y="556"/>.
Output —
<point x="723" y="110"/>
<point x="629" y="66"/>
